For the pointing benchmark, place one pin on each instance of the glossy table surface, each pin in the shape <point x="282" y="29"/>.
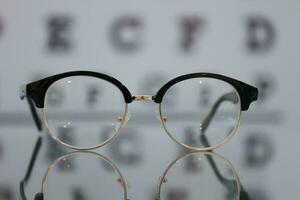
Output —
<point x="130" y="168"/>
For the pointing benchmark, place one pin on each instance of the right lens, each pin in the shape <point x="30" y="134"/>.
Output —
<point x="83" y="111"/>
<point x="197" y="176"/>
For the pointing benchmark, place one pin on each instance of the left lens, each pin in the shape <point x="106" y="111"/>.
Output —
<point x="205" y="112"/>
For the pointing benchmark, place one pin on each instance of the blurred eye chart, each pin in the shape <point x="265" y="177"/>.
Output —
<point x="144" y="44"/>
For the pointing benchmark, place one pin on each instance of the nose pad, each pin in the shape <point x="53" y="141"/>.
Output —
<point x="163" y="119"/>
<point x="120" y="121"/>
<point x="163" y="181"/>
<point x="123" y="183"/>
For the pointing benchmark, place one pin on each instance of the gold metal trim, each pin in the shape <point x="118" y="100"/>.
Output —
<point x="142" y="98"/>
<point x="121" y="178"/>
<point x="117" y="132"/>
<point x="162" y="178"/>
<point x="232" y="133"/>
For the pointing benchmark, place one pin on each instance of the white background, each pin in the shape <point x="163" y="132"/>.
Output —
<point x="220" y="47"/>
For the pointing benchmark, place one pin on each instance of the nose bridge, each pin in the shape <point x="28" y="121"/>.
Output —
<point x="143" y="98"/>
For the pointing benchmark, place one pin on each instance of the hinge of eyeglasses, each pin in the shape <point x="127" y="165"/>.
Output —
<point x="22" y="92"/>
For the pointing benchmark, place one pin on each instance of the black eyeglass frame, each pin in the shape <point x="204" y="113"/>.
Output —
<point x="37" y="90"/>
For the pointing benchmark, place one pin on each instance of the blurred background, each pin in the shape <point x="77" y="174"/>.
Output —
<point x="144" y="44"/>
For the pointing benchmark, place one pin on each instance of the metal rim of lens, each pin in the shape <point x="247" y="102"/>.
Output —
<point x="231" y="134"/>
<point x="56" y="139"/>
<point x="228" y="163"/>
<point x="56" y="161"/>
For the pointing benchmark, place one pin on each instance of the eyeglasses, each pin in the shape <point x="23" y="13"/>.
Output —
<point x="188" y="106"/>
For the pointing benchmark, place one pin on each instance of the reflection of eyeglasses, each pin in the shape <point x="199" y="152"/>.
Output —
<point x="217" y="167"/>
<point x="198" y="102"/>
<point x="118" y="181"/>
<point x="216" y="163"/>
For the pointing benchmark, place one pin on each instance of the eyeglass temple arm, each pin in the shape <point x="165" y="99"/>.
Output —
<point x="243" y="193"/>
<point x="231" y="96"/>
<point x="30" y="167"/>
<point x="33" y="110"/>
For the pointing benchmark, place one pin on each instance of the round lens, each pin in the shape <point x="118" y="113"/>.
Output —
<point x="79" y="108"/>
<point x="83" y="175"/>
<point x="200" y="176"/>
<point x="205" y="112"/>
